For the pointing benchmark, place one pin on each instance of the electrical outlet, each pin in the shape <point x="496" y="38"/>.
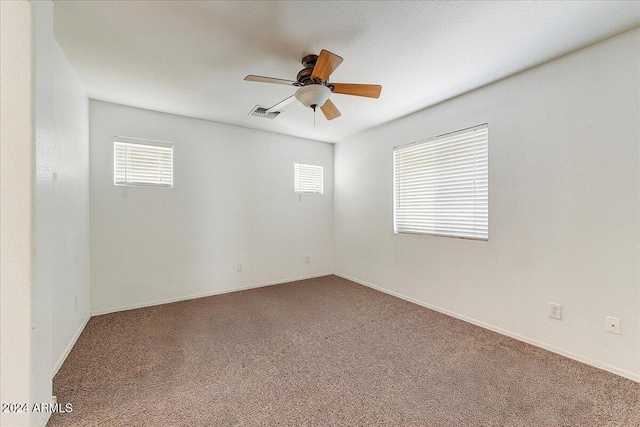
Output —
<point x="555" y="311"/>
<point x="613" y="325"/>
<point x="307" y="259"/>
<point x="240" y="268"/>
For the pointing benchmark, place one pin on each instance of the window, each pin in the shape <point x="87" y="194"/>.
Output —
<point x="441" y="185"/>
<point x="308" y="178"/>
<point x="142" y="163"/>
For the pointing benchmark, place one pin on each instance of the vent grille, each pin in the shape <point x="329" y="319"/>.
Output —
<point x="260" y="111"/>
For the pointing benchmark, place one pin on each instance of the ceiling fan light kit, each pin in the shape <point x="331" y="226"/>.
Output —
<point x="313" y="95"/>
<point x="314" y="87"/>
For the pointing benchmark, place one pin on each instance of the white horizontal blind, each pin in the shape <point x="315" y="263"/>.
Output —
<point x="139" y="164"/>
<point x="308" y="178"/>
<point x="441" y="185"/>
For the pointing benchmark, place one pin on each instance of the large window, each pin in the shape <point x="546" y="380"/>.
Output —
<point x="142" y="163"/>
<point x="441" y="185"/>
<point x="308" y="177"/>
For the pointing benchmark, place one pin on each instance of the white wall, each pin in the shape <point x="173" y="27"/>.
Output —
<point x="232" y="202"/>
<point x="45" y="217"/>
<point x="70" y="209"/>
<point x="44" y="203"/>
<point x="564" y="214"/>
<point x="17" y="115"/>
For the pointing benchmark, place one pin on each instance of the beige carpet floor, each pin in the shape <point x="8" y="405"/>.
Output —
<point x="323" y="352"/>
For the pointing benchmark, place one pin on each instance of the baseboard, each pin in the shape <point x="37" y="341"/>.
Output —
<point x="206" y="294"/>
<point x="562" y="352"/>
<point x="44" y="419"/>
<point x="67" y="350"/>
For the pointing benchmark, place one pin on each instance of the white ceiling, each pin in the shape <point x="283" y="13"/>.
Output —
<point x="190" y="58"/>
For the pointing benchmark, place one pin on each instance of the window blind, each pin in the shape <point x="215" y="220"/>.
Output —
<point x="308" y="178"/>
<point x="441" y="185"/>
<point x="142" y="164"/>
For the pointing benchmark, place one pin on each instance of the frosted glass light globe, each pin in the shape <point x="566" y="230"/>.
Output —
<point x="313" y="95"/>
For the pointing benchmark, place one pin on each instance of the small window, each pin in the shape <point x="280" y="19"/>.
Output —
<point x="308" y="178"/>
<point x="143" y="163"/>
<point x="441" y="185"/>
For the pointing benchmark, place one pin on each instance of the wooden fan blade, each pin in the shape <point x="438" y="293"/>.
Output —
<point x="325" y="65"/>
<point x="370" y="91"/>
<point x="330" y="111"/>
<point x="282" y="103"/>
<point x="261" y="79"/>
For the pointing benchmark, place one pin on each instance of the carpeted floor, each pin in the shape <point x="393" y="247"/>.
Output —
<point x="321" y="352"/>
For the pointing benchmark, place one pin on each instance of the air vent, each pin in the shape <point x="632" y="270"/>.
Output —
<point x="259" y="111"/>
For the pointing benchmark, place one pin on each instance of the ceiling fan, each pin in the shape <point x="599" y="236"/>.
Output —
<point x="314" y="86"/>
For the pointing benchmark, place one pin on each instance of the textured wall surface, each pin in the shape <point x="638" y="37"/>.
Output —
<point x="232" y="203"/>
<point x="16" y="204"/>
<point x="70" y="210"/>
<point x="45" y="207"/>
<point x="44" y="238"/>
<point x="564" y="210"/>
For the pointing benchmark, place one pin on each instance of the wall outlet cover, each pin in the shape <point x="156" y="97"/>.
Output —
<point x="613" y="325"/>
<point x="555" y="310"/>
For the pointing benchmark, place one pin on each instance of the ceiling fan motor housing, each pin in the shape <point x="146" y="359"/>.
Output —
<point x="304" y="76"/>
